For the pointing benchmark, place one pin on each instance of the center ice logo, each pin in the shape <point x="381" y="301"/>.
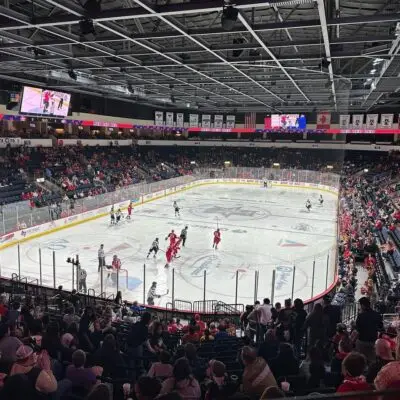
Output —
<point x="237" y="212"/>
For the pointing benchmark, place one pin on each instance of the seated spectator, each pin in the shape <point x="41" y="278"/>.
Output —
<point x="201" y="324"/>
<point x="42" y="379"/>
<point x="70" y="317"/>
<point x="110" y="359"/>
<point x="345" y="348"/>
<point x="8" y="345"/>
<point x="285" y="363"/>
<point x="256" y="375"/>
<point x="155" y="343"/>
<point x="197" y="364"/>
<point x="147" y="388"/>
<point x="172" y="326"/>
<point x="207" y="337"/>
<point x="219" y="386"/>
<point x="99" y="392"/>
<point x="222" y="333"/>
<point x="161" y="369"/>
<point x="269" y="349"/>
<point x="389" y="376"/>
<point x="192" y="336"/>
<point x="353" y="367"/>
<point x="80" y="376"/>
<point x="182" y="382"/>
<point x="383" y="356"/>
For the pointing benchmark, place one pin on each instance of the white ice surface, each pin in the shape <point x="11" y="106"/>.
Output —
<point x="262" y="230"/>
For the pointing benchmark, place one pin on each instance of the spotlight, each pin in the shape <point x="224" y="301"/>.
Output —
<point x="92" y="8"/>
<point x="86" y="27"/>
<point x="229" y="18"/>
<point x="324" y="63"/>
<point x="72" y="74"/>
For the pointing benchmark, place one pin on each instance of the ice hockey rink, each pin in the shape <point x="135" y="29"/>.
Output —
<point x="262" y="230"/>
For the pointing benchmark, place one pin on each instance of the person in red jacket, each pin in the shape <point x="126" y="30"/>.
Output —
<point x="353" y="367"/>
<point x="130" y="208"/>
<point x="217" y="239"/>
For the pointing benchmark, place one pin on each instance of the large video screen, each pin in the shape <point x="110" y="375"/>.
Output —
<point x="285" y="121"/>
<point x="44" y="102"/>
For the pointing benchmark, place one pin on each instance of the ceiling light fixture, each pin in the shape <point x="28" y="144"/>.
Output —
<point x="229" y="17"/>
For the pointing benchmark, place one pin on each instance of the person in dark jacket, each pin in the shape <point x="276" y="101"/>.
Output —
<point x="368" y="324"/>
<point x="298" y="331"/>
<point x="334" y="315"/>
<point x="317" y="323"/>
<point x="269" y="349"/>
<point x="285" y="363"/>
<point x="109" y="357"/>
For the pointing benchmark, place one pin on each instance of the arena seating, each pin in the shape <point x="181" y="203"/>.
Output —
<point x="216" y="355"/>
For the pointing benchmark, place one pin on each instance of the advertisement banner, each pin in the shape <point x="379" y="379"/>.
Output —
<point x="159" y="118"/>
<point x="5" y="141"/>
<point x="218" y="121"/>
<point x="230" y="121"/>
<point x="206" y="121"/>
<point x="357" y="121"/>
<point x="386" y="121"/>
<point x="179" y="120"/>
<point x="323" y="120"/>
<point x="193" y="120"/>
<point x="169" y="119"/>
<point x="372" y="121"/>
<point x="344" y="121"/>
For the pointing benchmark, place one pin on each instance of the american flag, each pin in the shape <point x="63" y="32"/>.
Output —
<point x="250" y="120"/>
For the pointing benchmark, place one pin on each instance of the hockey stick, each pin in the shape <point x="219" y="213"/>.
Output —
<point x="162" y="295"/>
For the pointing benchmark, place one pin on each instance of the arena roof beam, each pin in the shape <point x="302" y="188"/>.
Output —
<point x="103" y="49"/>
<point x="394" y="51"/>
<point x="244" y="21"/>
<point x="196" y="49"/>
<point x="206" y="48"/>
<point x="130" y="14"/>
<point x="325" y="36"/>
<point x="166" y="10"/>
<point x="117" y="31"/>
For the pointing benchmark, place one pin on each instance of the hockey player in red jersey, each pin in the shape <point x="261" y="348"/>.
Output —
<point x="172" y="252"/>
<point x="130" y="208"/>
<point x="217" y="239"/>
<point x="172" y="238"/>
<point x="169" y="254"/>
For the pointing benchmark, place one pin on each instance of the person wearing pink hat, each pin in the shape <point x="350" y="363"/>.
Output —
<point x="42" y="378"/>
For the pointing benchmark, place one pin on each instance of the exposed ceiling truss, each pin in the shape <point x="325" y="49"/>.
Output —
<point x="279" y="56"/>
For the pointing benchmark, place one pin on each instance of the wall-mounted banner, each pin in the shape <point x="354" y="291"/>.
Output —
<point x="357" y="121"/>
<point x="169" y="119"/>
<point x="372" y="121"/>
<point x="206" y="121"/>
<point x="230" y="121"/>
<point x="179" y="120"/>
<point x="324" y="120"/>
<point x="218" y="121"/>
<point x="386" y="121"/>
<point x="159" y="118"/>
<point x="344" y="121"/>
<point x="193" y="120"/>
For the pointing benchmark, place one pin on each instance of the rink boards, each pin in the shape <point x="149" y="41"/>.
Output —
<point x="24" y="235"/>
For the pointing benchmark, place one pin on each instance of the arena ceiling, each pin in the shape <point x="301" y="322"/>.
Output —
<point x="298" y="55"/>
